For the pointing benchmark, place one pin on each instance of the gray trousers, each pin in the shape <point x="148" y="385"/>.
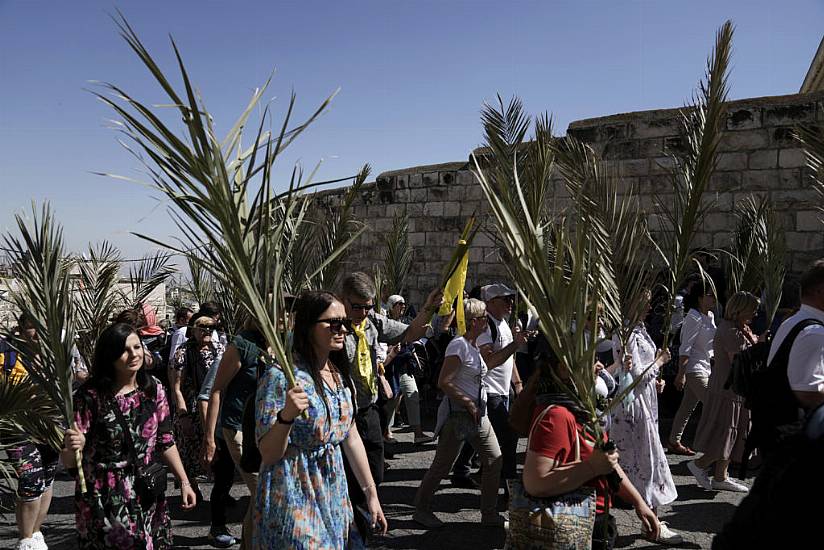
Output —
<point x="449" y="444"/>
<point x="695" y="390"/>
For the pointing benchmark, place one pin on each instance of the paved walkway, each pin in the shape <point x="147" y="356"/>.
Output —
<point x="697" y="514"/>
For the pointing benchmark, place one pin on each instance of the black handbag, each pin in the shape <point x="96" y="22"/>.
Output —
<point x="150" y="479"/>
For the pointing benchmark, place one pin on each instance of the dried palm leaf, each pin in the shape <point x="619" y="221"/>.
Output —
<point x="149" y="273"/>
<point x="97" y="297"/>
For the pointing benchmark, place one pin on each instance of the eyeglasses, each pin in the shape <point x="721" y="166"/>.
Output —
<point x="364" y="307"/>
<point x="509" y="298"/>
<point x="336" y="324"/>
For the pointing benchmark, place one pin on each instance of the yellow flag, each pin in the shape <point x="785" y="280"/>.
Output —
<point x="455" y="289"/>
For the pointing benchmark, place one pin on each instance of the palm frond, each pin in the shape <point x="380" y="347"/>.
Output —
<point x="200" y="283"/>
<point x="149" y="273"/>
<point x="812" y="139"/>
<point x="702" y="124"/>
<point x="97" y="297"/>
<point x="773" y="267"/>
<point x="398" y="255"/>
<point x="747" y="244"/>
<point x="221" y="194"/>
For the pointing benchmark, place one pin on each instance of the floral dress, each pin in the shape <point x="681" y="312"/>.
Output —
<point x="108" y="515"/>
<point x="635" y="426"/>
<point x="192" y="369"/>
<point x="302" y="499"/>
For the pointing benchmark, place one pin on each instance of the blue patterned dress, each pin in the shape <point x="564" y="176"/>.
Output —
<point x="302" y="500"/>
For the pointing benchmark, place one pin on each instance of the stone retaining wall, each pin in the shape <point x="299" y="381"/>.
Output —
<point x="758" y="155"/>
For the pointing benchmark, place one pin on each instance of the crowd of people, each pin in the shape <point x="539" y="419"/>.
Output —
<point x="198" y="403"/>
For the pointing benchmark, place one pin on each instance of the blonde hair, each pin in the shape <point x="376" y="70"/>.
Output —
<point x="474" y="308"/>
<point x="740" y="303"/>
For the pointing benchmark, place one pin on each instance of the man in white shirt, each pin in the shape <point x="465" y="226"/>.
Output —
<point x="182" y="317"/>
<point x="498" y="346"/>
<point x="805" y="365"/>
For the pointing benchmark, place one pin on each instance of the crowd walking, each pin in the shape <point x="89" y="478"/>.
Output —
<point x="316" y="449"/>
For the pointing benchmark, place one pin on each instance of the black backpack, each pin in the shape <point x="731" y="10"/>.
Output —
<point x="784" y="503"/>
<point x="766" y="390"/>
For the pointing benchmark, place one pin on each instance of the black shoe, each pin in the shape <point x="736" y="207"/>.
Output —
<point x="464" y="482"/>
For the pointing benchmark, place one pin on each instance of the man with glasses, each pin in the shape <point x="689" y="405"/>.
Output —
<point x="498" y="346"/>
<point x="368" y="329"/>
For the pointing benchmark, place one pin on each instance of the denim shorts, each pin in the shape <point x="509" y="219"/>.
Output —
<point x="35" y="466"/>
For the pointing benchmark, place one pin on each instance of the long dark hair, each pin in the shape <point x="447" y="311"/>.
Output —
<point x="110" y="346"/>
<point x="308" y="309"/>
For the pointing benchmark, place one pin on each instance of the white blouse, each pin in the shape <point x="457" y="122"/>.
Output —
<point x="697" y="335"/>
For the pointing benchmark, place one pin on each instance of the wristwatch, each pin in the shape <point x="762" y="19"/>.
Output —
<point x="280" y="420"/>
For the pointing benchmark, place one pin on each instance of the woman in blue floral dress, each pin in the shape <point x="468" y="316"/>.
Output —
<point x="110" y="514"/>
<point x="302" y="497"/>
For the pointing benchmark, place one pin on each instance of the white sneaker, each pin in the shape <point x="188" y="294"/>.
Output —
<point x="38" y="536"/>
<point x="700" y="475"/>
<point x="28" y="544"/>
<point x="730" y="484"/>
<point x="668" y="536"/>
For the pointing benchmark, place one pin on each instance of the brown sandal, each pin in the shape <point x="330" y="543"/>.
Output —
<point x="680" y="449"/>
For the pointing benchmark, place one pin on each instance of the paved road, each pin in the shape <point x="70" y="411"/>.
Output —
<point x="697" y="514"/>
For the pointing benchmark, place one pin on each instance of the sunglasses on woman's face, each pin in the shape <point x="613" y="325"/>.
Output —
<point x="336" y="325"/>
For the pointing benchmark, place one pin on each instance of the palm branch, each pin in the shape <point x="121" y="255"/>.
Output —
<point x="26" y="409"/>
<point x="200" y="283"/>
<point x="221" y="194"/>
<point x="43" y="292"/>
<point x="747" y="245"/>
<point x="398" y="254"/>
<point x="812" y="139"/>
<point x="773" y="268"/>
<point x="96" y="296"/>
<point x="702" y="125"/>
<point x="149" y="273"/>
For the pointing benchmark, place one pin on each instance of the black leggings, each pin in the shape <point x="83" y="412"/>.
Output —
<point x="223" y="468"/>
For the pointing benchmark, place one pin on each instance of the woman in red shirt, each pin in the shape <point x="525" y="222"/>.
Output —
<point x="551" y="468"/>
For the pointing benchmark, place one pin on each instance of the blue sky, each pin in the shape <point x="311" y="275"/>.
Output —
<point x="413" y="76"/>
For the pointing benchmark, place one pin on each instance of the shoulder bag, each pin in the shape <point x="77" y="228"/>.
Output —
<point x="563" y="522"/>
<point x="150" y="479"/>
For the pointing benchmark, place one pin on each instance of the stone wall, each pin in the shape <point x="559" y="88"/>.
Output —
<point x="757" y="155"/>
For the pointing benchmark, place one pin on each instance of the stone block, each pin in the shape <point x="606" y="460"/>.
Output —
<point x="661" y="165"/>
<point x="475" y="192"/>
<point x="402" y="181"/>
<point x="430" y="179"/>
<point x="466" y="177"/>
<point x="456" y="192"/>
<point x="622" y="149"/>
<point x="721" y="239"/>
<point x="414" y="209"/>
<point x="648" y="148"/>
<point x="382" y="225"/>
<point x="446" y="178"/>
<point x="744" y="119"/>
<point x="609" y="132"/>
<point x="804" y="241"/>
<point x="717" y="221"/>
<point x="417" y="239"/>
<point x="433" y="209"/>
<point x="437" y="193"/>
<point x="732" y="161"/>
<point x="809" y="220"/>
<point x="417" y="196"/>
<point x="452" y="208"/>
<point x="631" y="168"/>
<point x="376" y="211"/>
<point x="702" y="239"/>
<point x="760" y="180"/>
<point x="722" y="182"/>
<point x="791" y="199"/>
<point x="470" y="207"/>
<point x="401" y="196"/>
<point x="439" y="238"/>
<point x="791" y="158"/>
<point x="767" y="158"/>
<point x="744" y="140"/>
<point x="782" y="115"/>
<point x="645" y="129"/>
<point x="783" y="136"/>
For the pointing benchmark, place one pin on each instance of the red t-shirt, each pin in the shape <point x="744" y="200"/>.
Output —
<point x="554" y="437"/>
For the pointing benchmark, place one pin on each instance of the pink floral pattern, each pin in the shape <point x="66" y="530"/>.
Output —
<point x="109" y="515"/>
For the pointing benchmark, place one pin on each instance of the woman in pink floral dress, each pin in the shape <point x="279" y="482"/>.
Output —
<point x="110" y="514"/>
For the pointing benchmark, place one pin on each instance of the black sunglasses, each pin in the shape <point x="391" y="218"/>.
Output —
<point x="336" y="324"/>
<point x="364" y="307"/>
